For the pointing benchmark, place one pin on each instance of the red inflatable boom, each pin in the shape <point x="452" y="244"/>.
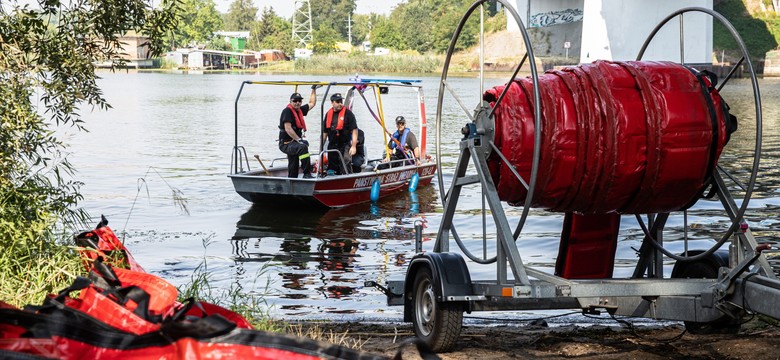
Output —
<point x="627" y="137"/>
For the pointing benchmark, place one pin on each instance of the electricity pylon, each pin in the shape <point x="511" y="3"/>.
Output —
<point x="301" y="28"/>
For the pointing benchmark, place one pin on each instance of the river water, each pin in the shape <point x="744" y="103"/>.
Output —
<point x="171" y="133"/>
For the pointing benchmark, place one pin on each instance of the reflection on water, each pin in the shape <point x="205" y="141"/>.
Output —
<point x="328" y="255"/>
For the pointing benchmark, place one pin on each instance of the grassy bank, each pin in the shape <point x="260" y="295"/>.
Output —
<point x="362" y="63"/>
<point x="31" y="268"/>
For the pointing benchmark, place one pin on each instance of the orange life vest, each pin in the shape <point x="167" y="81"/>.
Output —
<point x="300" y="123"/>
<point x="329" y="118"/>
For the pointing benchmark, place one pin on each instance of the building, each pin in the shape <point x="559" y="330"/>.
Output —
<point x="135" y="52"/>
<point x="202" y="59"/>
<point x="236" y="39"/>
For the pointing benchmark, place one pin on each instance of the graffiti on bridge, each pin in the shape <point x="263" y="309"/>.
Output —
<point x="558" y="17"/>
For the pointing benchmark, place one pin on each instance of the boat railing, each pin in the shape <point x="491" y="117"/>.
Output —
<point x="274" y="160"/>
<point x="382" y="165"/>
<point x="239" y="158"/>
<point x="341" y="158"/>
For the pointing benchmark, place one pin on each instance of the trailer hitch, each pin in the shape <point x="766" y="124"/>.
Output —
<point x="594" y="309"/>
<point x="726" y="281"/>
<point x="389" y="293"/>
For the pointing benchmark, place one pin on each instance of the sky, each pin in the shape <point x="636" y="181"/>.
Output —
<point x="284" y="8"/>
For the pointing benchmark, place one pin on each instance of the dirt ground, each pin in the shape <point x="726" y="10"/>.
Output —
<point x="756" y="340"/>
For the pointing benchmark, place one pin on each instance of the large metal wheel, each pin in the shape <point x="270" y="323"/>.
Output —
<point x="482" y="121"/>
<point x="733" y="178"/>
<point x="436" y="323"/>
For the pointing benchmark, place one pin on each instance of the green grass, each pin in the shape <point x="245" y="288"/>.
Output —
<point x="29" y="273"/>
<point x="251" y="305"/>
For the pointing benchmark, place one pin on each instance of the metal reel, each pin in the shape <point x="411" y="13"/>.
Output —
<point x="733" y="186"/>
<point x="481" y="122"/>
<point x="434" y="319"/>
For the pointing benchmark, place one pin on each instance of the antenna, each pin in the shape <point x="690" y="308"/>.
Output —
<point x="301" y="28"/>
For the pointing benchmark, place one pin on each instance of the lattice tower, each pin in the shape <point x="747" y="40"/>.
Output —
<point x="301" y="29"/>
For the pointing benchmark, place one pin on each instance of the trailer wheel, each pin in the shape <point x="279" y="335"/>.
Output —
<point x="436" y="323"/>
<point x="723" y="325"/>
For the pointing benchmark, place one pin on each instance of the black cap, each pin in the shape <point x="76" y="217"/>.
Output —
<point x="296" y="96"/>
<point x="400" y="120"/>
<point x="336" y="96"/>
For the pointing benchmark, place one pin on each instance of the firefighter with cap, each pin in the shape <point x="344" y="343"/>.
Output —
<point x="292" y="128"/>
<point x="403" y="145"/>
<point x="341" y="131"/>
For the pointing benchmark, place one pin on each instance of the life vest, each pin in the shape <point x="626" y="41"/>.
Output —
<point x="300" y="123"/>
<point x="401" y="140"/>
<point x="340" y="123"/>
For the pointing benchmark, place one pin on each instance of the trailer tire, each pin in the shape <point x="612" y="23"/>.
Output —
<point x="724" y="325"/>
<point x="436" y="323"/>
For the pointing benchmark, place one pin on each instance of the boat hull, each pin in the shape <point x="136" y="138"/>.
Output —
<point x="328" y="192"/>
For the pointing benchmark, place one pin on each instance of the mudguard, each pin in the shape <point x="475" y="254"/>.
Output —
<point x="450" y="275"/>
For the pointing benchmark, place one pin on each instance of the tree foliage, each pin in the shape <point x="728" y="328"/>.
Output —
<point x="325" y="39"/>
<point x="271" y="32"/>
<point x="47" y="58"/>
<point x="361" y="27"/>
<point x="386" y="34"/>
<point x="331" y="14"/>
<point x="240" y="16"/>
<point x="448" y="16"/>
<point x="199" y="20"/>
<point x="428" y="25"/>
<point x="415" y="23"/>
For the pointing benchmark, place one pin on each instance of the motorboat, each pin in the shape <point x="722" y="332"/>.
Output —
<point x="377" y="178"/>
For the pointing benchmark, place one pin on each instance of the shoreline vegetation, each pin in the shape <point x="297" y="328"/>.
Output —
<point x="408" y="64"/>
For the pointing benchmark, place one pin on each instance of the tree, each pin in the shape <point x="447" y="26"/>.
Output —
<point x="448" y="16"/>
<point x="325" y="39"/>
<point x="386" y="34"/>
<point x="271" y="32"/>
<point x="332" y="14"/>
<point x="47" y="58"/>
<point x="363" y="25"/>
<point x="240" y="16"/>
<point x="199" y="20"/>
<point x="415" y="22"/>
<point x="267" y="25"/>
<point x="428" y="25"/>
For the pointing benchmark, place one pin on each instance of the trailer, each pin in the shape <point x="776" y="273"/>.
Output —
<point x="521" y="150"/>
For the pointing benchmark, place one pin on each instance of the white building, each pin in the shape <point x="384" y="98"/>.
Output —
<point x="615" y="29"/>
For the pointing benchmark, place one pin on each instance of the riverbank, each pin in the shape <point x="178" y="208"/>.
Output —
<point x="757" y="340"/>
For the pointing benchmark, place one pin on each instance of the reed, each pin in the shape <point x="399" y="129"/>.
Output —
<point x="362" y="63"/>
<point x="317" y="333"/>
<point x="249" y="304"/>
<point x="30" y="268"/>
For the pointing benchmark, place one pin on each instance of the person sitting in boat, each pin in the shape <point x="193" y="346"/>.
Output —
<point x="403" y="145"/>
<point x="342" y="133"/>
<point x="292" y="127"/>
<point x="360" y="155"/>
